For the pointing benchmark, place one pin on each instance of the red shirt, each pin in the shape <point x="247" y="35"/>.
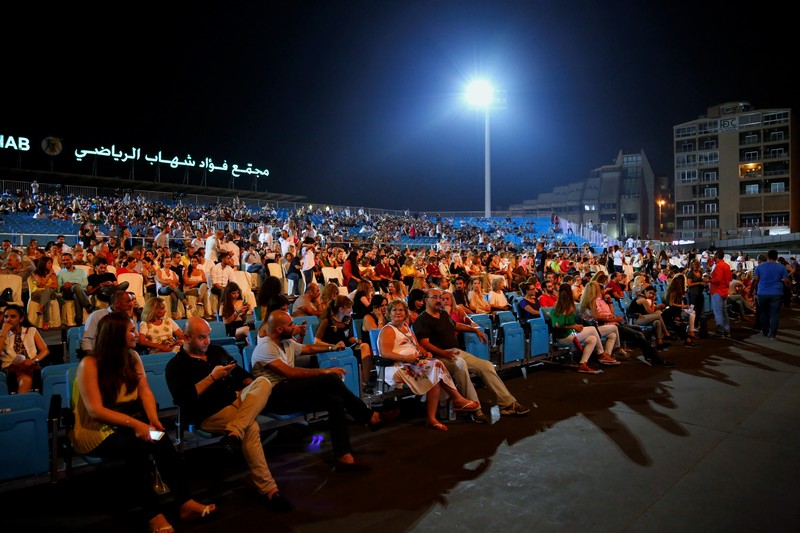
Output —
<point x="548" y="300"/>
<point x="720" y="278"/>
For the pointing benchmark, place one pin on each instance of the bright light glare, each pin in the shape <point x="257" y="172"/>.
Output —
<point x="480" y="93"/>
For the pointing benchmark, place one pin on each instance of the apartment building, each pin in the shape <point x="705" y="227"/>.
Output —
<point x="735" y="174"/>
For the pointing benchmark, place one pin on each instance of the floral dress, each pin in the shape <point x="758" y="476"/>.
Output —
<point x="420" y="377"/>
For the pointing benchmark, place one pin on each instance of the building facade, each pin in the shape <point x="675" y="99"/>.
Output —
<point x="735" y="174"/>
<point x="619" y="198"/>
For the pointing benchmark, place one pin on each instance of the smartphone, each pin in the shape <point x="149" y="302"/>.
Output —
<point x="156" y="434"/>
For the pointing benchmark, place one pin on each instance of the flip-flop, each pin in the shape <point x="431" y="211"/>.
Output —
<point x="438" y="426"/>
<point x="206" y="514"/>
<point x="470" y="407"/>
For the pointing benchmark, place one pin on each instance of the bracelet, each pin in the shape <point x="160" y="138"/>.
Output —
<point x="211" y="375"/>
<point x="330" y="348"/>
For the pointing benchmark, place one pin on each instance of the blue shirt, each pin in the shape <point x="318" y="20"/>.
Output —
<point x="76" y="277"/>
<point x="770" y="278"/>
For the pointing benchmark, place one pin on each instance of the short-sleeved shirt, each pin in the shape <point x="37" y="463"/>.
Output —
<point x="268" y="352"/>
<point x="184" y="372"/>
<point x="441" y="332"/>
<point x="770" y="278"/>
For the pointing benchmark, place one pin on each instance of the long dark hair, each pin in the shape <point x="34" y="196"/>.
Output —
<point x="227" y="300"/>
<point x="272" y="285"/>
<point x="566" y="300"/>
<point x="41" y="266"/>
<point x="116" y="365"/>
<point x="333" y="306"/>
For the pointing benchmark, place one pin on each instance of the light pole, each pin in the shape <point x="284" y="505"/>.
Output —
<point x="480" y="93"/>
<point x="660" y="224"/>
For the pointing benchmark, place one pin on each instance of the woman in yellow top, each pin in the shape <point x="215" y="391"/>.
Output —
<point x="44" y="288"/>
<point x="116" y="418"/>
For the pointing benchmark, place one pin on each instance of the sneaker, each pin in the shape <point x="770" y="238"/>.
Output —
<point x="607" y="359"/>
<point x="515" y="409"/>
<point x="583" y="368"/>
<point x="690" y="345"/>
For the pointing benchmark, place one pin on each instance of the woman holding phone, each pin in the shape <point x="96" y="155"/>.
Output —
<point x="116" y="418"/>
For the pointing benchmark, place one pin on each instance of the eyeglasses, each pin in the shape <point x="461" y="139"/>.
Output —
<point x="434" y="297"/>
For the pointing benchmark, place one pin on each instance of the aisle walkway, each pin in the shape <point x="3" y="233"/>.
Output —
<point x="710" y="445"/>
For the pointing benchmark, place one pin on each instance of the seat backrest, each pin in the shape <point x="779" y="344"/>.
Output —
<point x="54" y="381"/>
<point x="275" y="270"/>
<point x="373" y="341"/>
<point x="311" y="327"/>
<point x="234" y="352"/>
<point x="23" y="435"/>
<point x="3" y="384"/>
<point x="247" y="357"/>
<point x="74" y="335"/>
<point x="217" y="329"/>
<point x="135" y="285"/>
<point x="155" y="370"/>
<point x="242" y="279"/>
<point x="504" y="317"/>
<point x="13" y="282"/>
<point x="357" y="324"/>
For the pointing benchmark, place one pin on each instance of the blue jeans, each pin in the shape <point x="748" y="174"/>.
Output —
<point x="769" y="310"/>
<point x="720" y="307"/>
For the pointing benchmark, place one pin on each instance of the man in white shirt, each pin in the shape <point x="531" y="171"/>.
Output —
<point x="213" y="246"/>
<point x="221" y="274"/>
<point x="286" y="242"/>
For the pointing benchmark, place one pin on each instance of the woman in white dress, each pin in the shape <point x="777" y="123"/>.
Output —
<point x="416" y="367"/>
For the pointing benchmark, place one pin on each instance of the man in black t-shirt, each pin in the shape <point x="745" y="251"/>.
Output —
<point x="217" y="395"/>
<point x="436" y="332"/>
<point x="102" y="283"/>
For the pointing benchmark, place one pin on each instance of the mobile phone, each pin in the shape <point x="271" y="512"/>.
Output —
<point x="156" y="434"/>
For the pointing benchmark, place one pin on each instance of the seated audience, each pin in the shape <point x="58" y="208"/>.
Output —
<point x="416" y="367"/>
<point x="23" y="349"/>
<point x="158" y="332"/>
<point x="312" y="389"/>
<point x="115" y="415"/>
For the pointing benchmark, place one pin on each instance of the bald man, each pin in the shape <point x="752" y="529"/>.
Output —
<point x="218" y="396"/>
<point x="312" y="389"/>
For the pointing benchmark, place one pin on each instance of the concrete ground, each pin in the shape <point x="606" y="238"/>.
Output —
<point x="709" y="445"/>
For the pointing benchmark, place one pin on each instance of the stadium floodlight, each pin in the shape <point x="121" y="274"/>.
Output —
<point x="480" y="94"/>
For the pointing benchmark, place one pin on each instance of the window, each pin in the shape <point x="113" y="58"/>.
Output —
<point x="776" y="152"/>
<point x="687" y="147"/>
<point x="710" y="175"/>
<point x="777" y="219"/>
<point x="709" y="145"/>
<point x="687" y="209"/>
<point x="777" y="186"/>
<point x="751" y="155"/>
<point x="751" y="188"/>
<point x="687" y="176"/>
<point x="776" y="117"/>
<point x="687" y="224"/>
<point x="710" y="208"/>
<point x="776" y="136"/>
<point x="710" y="192"/>
<point x="710" y="223"/>
<point x="708" y="158"/>
<point x="750" y="138"/>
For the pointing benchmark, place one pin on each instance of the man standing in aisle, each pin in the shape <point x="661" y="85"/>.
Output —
<point x="720" y="284"/>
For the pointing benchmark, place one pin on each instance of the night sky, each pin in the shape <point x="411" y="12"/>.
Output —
<point x="361" y="103"/>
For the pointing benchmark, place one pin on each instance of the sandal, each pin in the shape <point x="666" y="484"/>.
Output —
<point x="469" y="407"/>
<point x="438" y="426"/>
<point x="207" y="513"/>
